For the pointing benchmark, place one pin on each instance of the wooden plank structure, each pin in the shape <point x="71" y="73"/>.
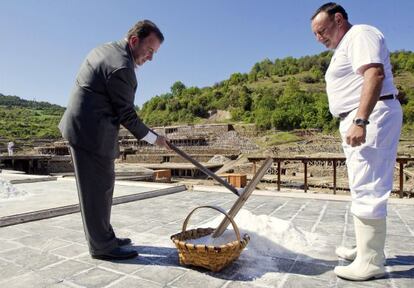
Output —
<point x="30" y="164"/>
<point x="334" y="161"/>
<point x="243" y="197"/>
<point x="238" y="180"/>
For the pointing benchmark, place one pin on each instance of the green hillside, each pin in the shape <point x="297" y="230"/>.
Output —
<point x="24" y="119"/>
<point x="283" y="94"/>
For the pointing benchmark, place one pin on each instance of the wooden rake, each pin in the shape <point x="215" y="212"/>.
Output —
<point x="243" y="198"/>
<point x="203" y="169"/>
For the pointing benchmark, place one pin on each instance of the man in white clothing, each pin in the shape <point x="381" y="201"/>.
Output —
<point x="361" y="92"/>
<point x="10" y="147"/>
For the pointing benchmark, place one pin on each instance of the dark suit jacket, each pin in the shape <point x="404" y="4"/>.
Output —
<point x="101" y="100"/>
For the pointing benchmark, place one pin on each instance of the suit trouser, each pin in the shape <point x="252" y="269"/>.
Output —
<point x="371" y="165"/>
<point x="95" y="179"/>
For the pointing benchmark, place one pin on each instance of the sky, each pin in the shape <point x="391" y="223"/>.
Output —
<point x="43" y="42"/>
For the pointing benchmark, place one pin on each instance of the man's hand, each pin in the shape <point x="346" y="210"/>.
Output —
<point x="371" y="89"/>
<point x="163" y="142"/>
<point x="356" y="135"/>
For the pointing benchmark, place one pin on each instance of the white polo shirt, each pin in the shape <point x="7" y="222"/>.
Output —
<point x="361" y="45"/>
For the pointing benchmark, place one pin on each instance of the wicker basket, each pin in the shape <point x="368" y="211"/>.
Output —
<point x="211" y="257"/>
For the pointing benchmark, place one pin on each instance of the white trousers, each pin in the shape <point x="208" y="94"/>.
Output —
<point x="371" y="165"/>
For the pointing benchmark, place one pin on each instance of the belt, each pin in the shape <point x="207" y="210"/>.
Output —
<point x="343" y="115"/>
<point x="386" y="97"/>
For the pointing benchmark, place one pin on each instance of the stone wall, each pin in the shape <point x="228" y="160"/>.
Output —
<point x="60" y="165"/>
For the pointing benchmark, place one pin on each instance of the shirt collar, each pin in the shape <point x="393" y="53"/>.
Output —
<point x="129" y="51"/>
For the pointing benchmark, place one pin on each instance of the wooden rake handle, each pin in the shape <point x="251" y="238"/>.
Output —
<point x="203" y="169"/>
<point x="242" y="200"/>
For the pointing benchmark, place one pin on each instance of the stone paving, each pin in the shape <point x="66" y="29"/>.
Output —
<point x="60" y="192"/>
<point x="52" y="252"/>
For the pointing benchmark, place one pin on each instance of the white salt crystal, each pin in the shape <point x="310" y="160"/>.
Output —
<point x="269" y="235"/>
<point x="8" y="191"/>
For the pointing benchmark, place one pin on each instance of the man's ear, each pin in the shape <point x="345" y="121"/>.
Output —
<point x="339" y="19"/>
<point x="133" y="41"/>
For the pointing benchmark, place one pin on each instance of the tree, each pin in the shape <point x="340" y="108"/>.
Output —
<point x="177" y="88"/>
<point x="237" y="78"/>
<point x="245" y="100"/>
<point x="263" y="119"/>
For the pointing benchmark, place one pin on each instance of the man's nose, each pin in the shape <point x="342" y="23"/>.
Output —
<point x="319" y="37"/>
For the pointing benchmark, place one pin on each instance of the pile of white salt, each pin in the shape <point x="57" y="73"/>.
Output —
<point x="270" y="236"/>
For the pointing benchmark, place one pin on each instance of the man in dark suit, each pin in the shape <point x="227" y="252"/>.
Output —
<point x="103" y="99"/>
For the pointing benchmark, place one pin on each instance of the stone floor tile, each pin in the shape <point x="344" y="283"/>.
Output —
<point x="29" y="280"/>
<point x="9" y="270"/>
<point x="297" y="281"/>
<point x="304" y="224"/>
<point x="376" y="283"/>
<point x="404" y="282"/>
<point x="329" y="229"/>
<point x="95" y="277"/>
<point x="314" y="270"/>
<point x="129" y="266"/>
<point x="141" y="226"/>
<point x="160" y="274"/>
<point x="258" y="270"/>
<point x="129" y="282"/>
<point x="60" y="285"/>
<point x="30" y="258"/>
<point x="42" y="242"/>
<point x="245" y="284"/>
<point x="195" y="278"/>
<point x="10" y="232"/>
<point x="8" y="245"/>
<point x="64" y="270"/>
<point x="71" y="250"/>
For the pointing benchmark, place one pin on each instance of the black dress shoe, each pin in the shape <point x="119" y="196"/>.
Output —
<point x="123" y="241"/>
<point x="118" y="253"/>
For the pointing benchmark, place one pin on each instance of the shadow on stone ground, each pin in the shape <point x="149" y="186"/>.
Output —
<point x="401" y="260"/>
<point x="248" y="268"/>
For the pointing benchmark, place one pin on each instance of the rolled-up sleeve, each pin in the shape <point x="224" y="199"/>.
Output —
<point x="121" y="90"/>
<point x="365" y="49"/>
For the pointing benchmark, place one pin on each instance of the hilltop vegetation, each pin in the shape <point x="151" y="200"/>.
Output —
<point x="25" y="119"/>
<point x="283" y="94"/>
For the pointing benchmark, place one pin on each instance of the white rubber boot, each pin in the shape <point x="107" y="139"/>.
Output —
<point x="346" y="253"/>
<point x="349" y="253"/>
<point x="369" y="262"/>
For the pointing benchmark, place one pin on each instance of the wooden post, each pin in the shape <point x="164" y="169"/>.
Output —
<point x="31" y="167"/>
<point x="305" y="163"/>
<point x="334" y="176"/>
<point x="278" y="175"/>
<point x="401" y="178"/>
<point x="254" y="167"/>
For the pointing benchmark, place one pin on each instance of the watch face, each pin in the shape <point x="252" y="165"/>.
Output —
<point x="361" y="122"/>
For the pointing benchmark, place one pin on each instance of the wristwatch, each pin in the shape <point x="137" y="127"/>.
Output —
<point x="361" y="122"/>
